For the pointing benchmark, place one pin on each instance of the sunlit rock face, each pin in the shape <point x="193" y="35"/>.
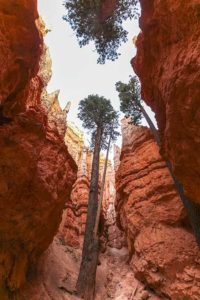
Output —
<point x="72" y="228"/>
<point x="167" y="64"/>
<point x="162" y="248"/>
<point x="36" y="170"/>
<point x="56" y="115"/>
<point x="37" y="90"/>
<point x="112" y="235"/>
<point x="20" y="52"/>
<point x="117" y="153"/>
<point x="74" y="139"/>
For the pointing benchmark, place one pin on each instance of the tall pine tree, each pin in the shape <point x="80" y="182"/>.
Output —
<point x="101" y="22"/>
<point x="101" y="119"/>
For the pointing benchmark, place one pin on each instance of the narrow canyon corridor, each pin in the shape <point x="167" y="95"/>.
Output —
<point x="57" y="272"/>
<point x="149" y="247"/>
<point x="135" y="237"/>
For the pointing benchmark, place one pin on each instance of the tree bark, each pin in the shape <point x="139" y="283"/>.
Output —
<point x="96" y="227"/>
<point x="193" y="209"/>
<point x="86" y="280"/>
<point x="151" y="125"/>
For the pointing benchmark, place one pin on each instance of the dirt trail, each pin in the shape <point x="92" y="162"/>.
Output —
<point x="57" y="273"/>
<point x="56" y="276"/>
<point x="118" y="278"/>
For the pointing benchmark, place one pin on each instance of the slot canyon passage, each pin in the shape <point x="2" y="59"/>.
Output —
<point x="148" y="249"/>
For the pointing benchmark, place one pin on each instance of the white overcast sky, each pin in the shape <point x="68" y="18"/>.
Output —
<point x="75" y="71"/>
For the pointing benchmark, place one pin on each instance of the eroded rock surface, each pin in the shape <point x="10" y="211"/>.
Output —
<point x="162" y="248"/>
<point x="57" y="272"/>
<point x="72" y="228"/>
<point x="36" y="170"/>
<point x="167" y="64"/>
<point x="20" y="50"/>
<point x="113" y="237"/>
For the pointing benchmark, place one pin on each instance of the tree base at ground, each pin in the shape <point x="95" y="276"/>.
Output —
<point x="86" y="281"/>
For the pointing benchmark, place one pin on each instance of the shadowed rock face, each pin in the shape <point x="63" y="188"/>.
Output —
<point x="167" y="64"/>
<point x="162" y="247"/>
<point x="36" y="170"/>
<point x="20" y="50"/>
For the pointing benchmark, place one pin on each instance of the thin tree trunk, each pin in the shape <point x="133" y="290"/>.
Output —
<point x="151" y="125"/>
<point x="193" y="209"/>
<point x="86" y="280"/>
<point x="96" y="227"/>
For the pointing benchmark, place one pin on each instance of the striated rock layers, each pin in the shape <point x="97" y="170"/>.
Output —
<point x="163" y="250"/>
<point x="72" y="228"/>
<point x="36" y="170"/>
<point x="167" y="64"/>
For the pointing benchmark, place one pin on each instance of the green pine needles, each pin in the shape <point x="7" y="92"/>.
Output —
<point x="97" y="112"/>
<point x="130" y="99"/>
<point x="100" y="21"/>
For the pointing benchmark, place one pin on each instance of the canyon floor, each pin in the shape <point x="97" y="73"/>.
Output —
<point x="57" y="273"/>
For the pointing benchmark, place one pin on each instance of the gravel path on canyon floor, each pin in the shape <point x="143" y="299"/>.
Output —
<point x="57" y="274"/>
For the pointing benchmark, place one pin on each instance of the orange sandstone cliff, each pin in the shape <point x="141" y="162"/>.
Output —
<point x="72" y="228"/>
<point x="36" y="170"/>
<point x="163" y="251"/>
<point x="168" y="65"/>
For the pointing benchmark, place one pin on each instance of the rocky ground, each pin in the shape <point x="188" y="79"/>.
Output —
<point x="56" y="276"/>
<point x="118" y="278"/>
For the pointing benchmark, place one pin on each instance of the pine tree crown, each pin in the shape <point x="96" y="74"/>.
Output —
<point x="130" y="99"/>
<point x="97" y="112"/>
<point x="100" y="21"/>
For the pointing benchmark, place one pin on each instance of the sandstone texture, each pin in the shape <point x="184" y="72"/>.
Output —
<point x="167" y="64"/>
<point x="117" y="153"/>
<point x="57" y="271"/>
<point x="74" y="139"/>
<point x="163" y="250"/>
<point x="112" y="236"/>
<point x="36" y="170"/>
<point x="20" y="50"/>
<point x="72" y="228"/>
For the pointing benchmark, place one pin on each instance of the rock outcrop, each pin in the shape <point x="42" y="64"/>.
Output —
<point x="20" y="50"/>
<point x="117" y="153"/>
<point x="162" y="248"/>
<point x="112" y="235"/>
<point x="36" y="170"/>
<point x="167" y="64"/>
<point x="72" y="228"/>
<point x="74" y="139"/>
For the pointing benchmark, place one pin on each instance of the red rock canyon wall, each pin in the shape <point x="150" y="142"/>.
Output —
<point x="162" y="248"/>
<point x="36" y="170"/>
<point x="72" y="228"/>
<point x="168" y="65"/>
